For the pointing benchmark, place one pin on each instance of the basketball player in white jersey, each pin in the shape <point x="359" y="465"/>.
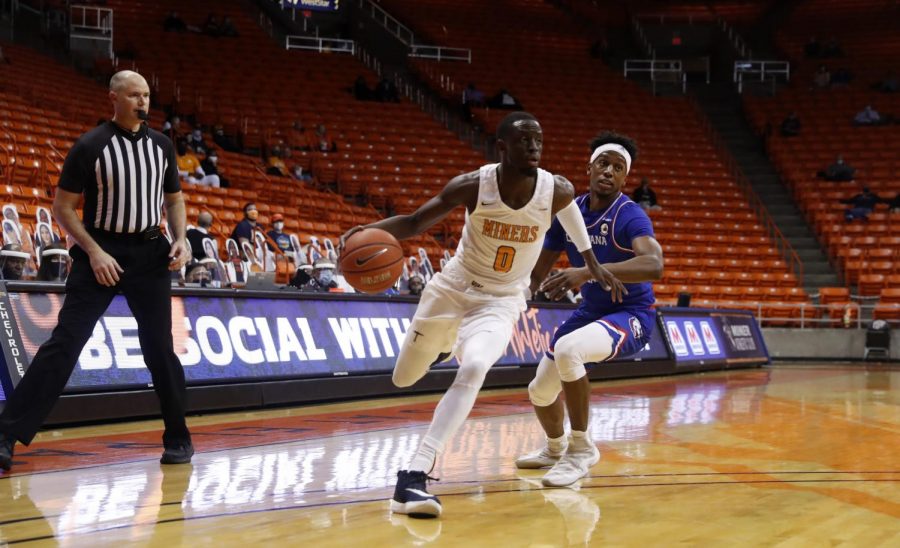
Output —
<point x="469" y="309"/>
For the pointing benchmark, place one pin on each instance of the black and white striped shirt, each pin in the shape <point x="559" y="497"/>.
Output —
<point x="123" y="176"/>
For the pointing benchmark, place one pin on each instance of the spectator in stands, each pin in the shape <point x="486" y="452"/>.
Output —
<point x="867" y="117"/>
<point x="297" y="137"/>
<point x="189" y="167"/>
<point x="197" y="234"/>
<point x="211" y="26"/>
<point x="841" y="77"/>
<point x="12" y="261"/>
<point x="790" y="126"/>
<point x="894" y="203"/>
<point x="386" y="91"/>
<point x="172" y="128"/>
<point x="243" y="232"/>
<point x="861" y="205"/>
<point x="197" y="273"/>
<point x="473" y="96"/>
<point x="224" y="141"/>
<point x="299" y="174"/>
<point x="838" y="171"/>
<point x="282" y="240"/>
<point x="813" y="48"/>
<point x="889" y="84"/>
<point x="322" y="277"/>
<point x="196" y="142"/>
<point x="504" y="100"/>
<point x="210" y="165"/>
<point x="228" y="29"/>
<point x="416" y="285"/>
<point x="55" y="264"/>
<point x="645" y="197"/>
<point x="822" y="78"/>
<point x="174" y="23"/>
<point x="275" y="163"/>
<point x="320" y="140"/>
<point x="361" y="90"/>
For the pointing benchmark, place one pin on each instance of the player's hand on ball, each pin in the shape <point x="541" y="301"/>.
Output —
<point x="346" y="235"/>
<point x="556" y="286"/>
<point x="609" y="282"/>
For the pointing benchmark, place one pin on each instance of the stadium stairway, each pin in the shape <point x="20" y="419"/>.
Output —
<point x="722" y="106"/>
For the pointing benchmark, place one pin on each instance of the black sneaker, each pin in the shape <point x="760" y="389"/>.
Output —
<point x="7" y="446"/>
<point x="411" y="498"/>
<point x="178" y="454"/>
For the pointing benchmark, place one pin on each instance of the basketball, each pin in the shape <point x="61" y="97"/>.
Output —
<point x="372" y="260"/>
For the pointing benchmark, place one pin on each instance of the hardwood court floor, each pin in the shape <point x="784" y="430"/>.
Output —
<point x="787" y="456"/>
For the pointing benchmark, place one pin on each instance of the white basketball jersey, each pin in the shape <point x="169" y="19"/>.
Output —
<point x="500" y="245"/>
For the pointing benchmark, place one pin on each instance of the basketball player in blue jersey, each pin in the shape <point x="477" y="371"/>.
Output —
<point x="601" y="328"/>
<point x="471" y="306"/>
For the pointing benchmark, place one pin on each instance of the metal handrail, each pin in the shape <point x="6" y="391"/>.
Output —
<point x="656" y="67"/>
<point x="804" y="315"/>
<point x="330" y="45"/>
<point x="763" y="68"/>
<point x="784" y="246"/>
<point x="91" y="23"/>
<point x="389" y="22"/>
<point x="440" y="53"/>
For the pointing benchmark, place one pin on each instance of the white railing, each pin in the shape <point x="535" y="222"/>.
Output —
<point x="642" y="37"/>
<point x="802" y="315"/>
<point x="389" y="22"/>
<point x="408" y="38"/>
<point x="737" y="41"/>
<point x="91" y="23"/>
<point x="765" y="70"/>
<point x="668" y="70"/>
<point x="440" y="53"/>
<point x="322" y="45"/>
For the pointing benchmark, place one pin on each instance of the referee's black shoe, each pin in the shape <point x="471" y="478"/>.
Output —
<point x="178" y="454"/>
<point x="7" y="445"/>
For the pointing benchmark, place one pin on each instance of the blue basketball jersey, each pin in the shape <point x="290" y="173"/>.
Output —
<point x="611" y="231"/>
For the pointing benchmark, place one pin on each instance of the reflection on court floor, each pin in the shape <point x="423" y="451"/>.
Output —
<point x="745" y="448"/>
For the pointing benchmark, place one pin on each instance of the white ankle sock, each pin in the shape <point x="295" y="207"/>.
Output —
<point x="426" y="456"/>
<point x="557" y="445"/>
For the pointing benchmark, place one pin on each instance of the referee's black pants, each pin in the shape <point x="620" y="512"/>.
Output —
<point x="146" y="285"/>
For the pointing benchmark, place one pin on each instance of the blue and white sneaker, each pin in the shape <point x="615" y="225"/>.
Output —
<point x="411" y="497"/>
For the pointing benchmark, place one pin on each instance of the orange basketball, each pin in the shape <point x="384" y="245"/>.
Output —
<point x="372" y="260"/>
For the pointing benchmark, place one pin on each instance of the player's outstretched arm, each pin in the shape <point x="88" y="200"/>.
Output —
<point x="645" y="266"/>
<point x="566" y="210"/>
<point x="461" y="190"/>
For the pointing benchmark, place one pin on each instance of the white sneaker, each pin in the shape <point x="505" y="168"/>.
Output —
<point x="542" y="458"/>
<point x="574" y="465"/>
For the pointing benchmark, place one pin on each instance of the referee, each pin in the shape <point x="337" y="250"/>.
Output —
<point x="126" y="171"/>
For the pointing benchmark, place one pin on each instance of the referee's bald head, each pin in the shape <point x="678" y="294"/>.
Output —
<point x="121" y="78"/>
